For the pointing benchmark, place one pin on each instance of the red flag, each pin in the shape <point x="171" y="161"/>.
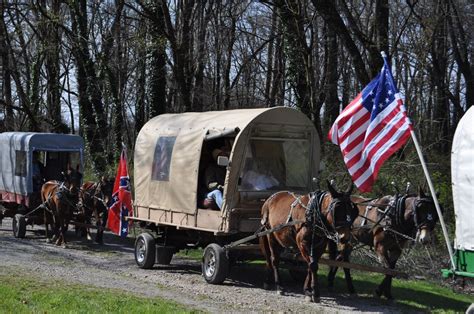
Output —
<point x="371" y="128"/>
<point x="121" y="204"/>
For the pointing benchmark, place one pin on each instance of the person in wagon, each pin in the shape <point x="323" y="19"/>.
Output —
<point x="214" y="178"/>
<point x="37" y="173"/>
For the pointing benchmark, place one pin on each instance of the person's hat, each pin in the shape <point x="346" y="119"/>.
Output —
<point x="216" y="152"/>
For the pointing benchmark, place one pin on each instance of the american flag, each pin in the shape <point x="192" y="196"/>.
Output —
<point x="121" y="204"/>
<point x="371" y="128"/>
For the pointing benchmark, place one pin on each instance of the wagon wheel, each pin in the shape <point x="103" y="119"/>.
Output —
<point x="145" y="251"/>
<point x="215" y="264"/>
<point x="19" y="226"/>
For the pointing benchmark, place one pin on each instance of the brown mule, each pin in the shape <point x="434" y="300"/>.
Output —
<point x="406" y="217"/>
<point x="60" y="199"/>
<point x="94" y="197"/>
<point x="323" y="216"/>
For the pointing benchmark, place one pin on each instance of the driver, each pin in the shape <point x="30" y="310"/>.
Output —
<point x="214" y="176"/>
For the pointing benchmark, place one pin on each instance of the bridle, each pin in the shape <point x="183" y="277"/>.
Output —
<point x="430" y="220"/>
<point x="349" y="218"/>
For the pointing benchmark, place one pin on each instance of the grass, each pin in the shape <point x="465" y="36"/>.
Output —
<point x="28" y="294"/>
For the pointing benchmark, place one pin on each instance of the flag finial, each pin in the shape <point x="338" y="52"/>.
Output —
<point x="384" y="55"/>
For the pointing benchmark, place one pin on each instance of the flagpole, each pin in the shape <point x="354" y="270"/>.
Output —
<point x="435" y="199"/>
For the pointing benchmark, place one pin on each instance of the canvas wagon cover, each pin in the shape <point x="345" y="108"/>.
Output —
<point x="183" y="134"/>
<point x="10" y="142"/>
<point x="462" y="173"/>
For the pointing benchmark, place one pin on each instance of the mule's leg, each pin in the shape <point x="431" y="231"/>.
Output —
<point x="332" y="247"/>
<point x="392" y="258"/>
<point x="265" y="248"/>
<point x="389" y="257"/>
<point x="347" y="271"/>
<point x="45" y="217"/>
<point x="100" y="231"/>
<point x="311" y="286"/>
<point x="275" y="250"/>
<point x="58" y="231"/>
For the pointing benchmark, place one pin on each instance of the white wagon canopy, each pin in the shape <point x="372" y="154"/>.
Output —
<point x="462" y="172"/>
<point x="17" y="151"/>
<point x="172" y="150"/>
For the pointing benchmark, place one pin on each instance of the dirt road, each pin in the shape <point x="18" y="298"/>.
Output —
<point x="112" y="265"/>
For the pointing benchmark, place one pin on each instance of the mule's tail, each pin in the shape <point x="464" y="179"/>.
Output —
<point x="264" y="213"/>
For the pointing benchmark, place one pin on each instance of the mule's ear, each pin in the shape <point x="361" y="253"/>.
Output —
<point x="331" y="189"/>
<point x="350" y="188"/>
<point x="421" y="193"/>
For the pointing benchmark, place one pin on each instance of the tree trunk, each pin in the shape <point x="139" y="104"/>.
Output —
<point x="91" y="112"/>
<point x="51" y="40"/>
<point x="157" y="82"/>
<point x="141" y="76"/>
<point x="332" y="100"/>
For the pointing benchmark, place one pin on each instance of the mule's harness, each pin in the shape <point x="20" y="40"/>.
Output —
<point x="313" y="216"/>
<point x="392" y="218"/>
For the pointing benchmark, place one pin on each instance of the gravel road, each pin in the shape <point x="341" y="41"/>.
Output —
<point x="112" y="265"/>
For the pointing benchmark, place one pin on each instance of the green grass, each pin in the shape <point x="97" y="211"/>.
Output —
<point x="28" y="294"/>
<point x="194" y="254"/>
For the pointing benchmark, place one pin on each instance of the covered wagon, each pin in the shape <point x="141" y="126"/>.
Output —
<point x="29" y="159"/>
<point x="171" y="154"/>
<point x="462" y="177"/>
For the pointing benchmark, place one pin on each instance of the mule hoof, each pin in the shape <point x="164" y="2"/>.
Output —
<point x="89" y="238"/>
<point x="316" y="300"/>
<point x="267" y="286"/>
<point x="352" y="291"/>
<point x="49" y="240"/>
<point x="280" y="291"/>
<point x="308" y="299"/>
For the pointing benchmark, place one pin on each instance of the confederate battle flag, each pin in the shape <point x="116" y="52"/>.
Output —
<point x="121" y="204"/>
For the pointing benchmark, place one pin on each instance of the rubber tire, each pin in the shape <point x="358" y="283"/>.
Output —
<point x="215" y="264"/>
<point x="19" y="226"/>
<point x="145" y="251"/>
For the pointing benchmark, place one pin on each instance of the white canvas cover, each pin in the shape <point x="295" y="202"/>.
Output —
<point x="175" y="188"/>
<point x="462" y="173"/>
<point x="11" y="142"/>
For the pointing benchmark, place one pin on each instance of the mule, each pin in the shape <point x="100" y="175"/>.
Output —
<point x="319" y="217"/>
<point x="94" y="197"/>
<point x="60" y="199"/>
<point x="386" y="225"/>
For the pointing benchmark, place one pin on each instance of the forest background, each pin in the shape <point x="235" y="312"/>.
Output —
<point x="101" y="69"/>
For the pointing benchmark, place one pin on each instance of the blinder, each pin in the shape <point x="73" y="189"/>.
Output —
<point x="430" y="218"/>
